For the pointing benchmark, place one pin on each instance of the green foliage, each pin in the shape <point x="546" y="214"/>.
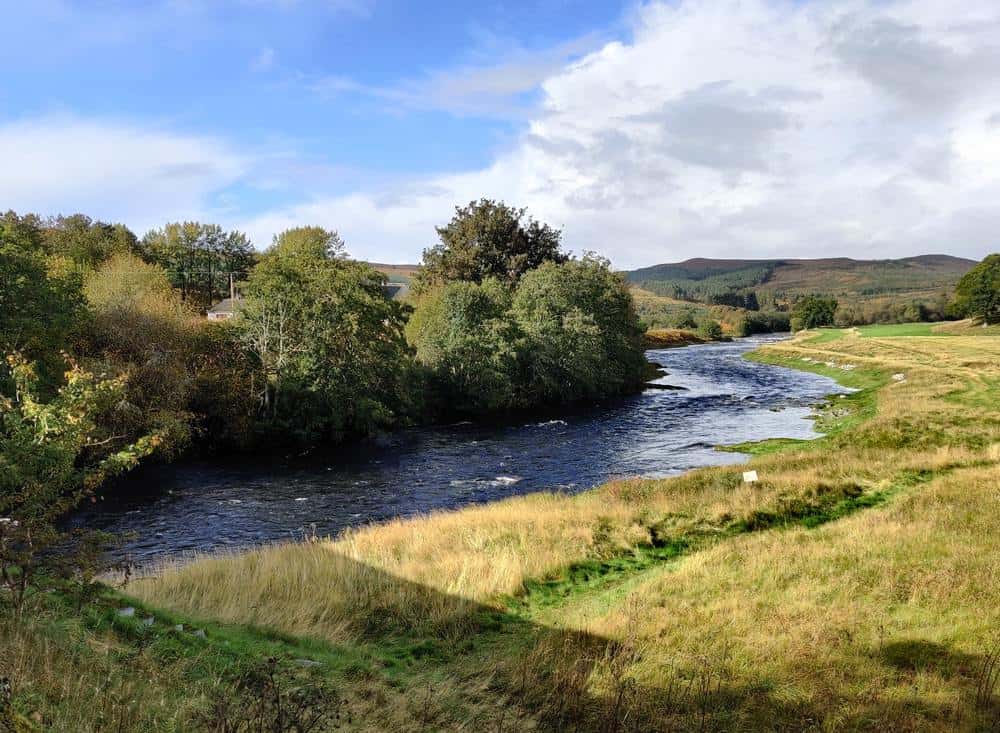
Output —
<point x="38" y="308"/>
<point x="85" y="242"/>
<point x="567" y="332"/>
<point x="328" y="344"/>
<point x="199" y="258"/>
<point x="710" y="329"/>
<point x="139" y="326"/>
<point x="469" y="345"/>
<point x="752" y="322"/>
<point x="707" y="285"/>
<point x="584" y="335"/>
<point x="978" y="292"/>
<point x="813" y="312"/>
<point x="52" y="455"/>
<point x="488" y="239"/>
<point x="308" y="242"/>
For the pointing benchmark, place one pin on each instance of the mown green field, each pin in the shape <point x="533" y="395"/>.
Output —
<point x="856" y="586"/>
<point x="887" y="330"/>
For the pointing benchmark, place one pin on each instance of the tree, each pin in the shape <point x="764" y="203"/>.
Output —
<point x="584" y="338"/>
<point x="813" y="312"/>
<point x="489" y="239"/>
<point x="199" y="258"/>
<point x="52" y="456"/>
<point x="466" y="340"/>
<point x="977" y="294"/>
<point x="38" y="308"/>
<point x="328" y="343"/>
<point x="308" y="242"/>
<point x="567" y="332"/>
<point x="709" y="328"/>
<point x="85" y="242"/>
<point x="139" y="326"/>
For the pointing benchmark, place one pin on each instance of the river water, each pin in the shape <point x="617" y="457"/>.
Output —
<point x="234" y="502"/>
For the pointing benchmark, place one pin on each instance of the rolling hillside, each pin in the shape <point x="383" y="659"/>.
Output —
<point x="779" y="282"/>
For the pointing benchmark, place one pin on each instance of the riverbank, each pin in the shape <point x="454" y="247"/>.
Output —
<point x="208" y="506"/>
<point x="855" y="585"/>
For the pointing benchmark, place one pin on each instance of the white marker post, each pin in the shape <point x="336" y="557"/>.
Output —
<point x="749" y="477"/>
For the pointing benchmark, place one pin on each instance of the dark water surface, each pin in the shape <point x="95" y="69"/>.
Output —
<point x="233" y="502"/>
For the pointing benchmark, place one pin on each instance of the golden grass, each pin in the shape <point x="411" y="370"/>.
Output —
<point x="873" y="622"/>
<point x="667" y="338"/>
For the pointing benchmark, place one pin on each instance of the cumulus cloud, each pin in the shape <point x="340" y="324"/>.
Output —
<point x="754" y="128"/>
<point x="112" y="170"/>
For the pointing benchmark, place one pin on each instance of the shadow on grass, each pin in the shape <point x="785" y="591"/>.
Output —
<point x="434" y="661"/>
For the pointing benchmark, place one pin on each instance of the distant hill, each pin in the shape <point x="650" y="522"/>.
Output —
<point x="777" y="283"/>
<point x="397" y="273"/>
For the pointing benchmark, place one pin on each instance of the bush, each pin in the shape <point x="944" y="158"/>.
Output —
<point x="138" y="325"/>
<point x="813" y="312"/>
<point x="710" y="329"/>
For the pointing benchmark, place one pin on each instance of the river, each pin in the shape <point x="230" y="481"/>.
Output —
<point x="215" y="504"/>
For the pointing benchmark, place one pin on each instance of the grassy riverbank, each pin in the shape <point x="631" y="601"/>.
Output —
<point x="855" y="586"/>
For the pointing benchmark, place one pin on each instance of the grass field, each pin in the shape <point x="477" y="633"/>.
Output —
<point x="898" y="330"/>
<point x="856" y="586"/>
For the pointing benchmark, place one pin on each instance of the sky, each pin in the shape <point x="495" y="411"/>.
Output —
<point x="648" y="131"/>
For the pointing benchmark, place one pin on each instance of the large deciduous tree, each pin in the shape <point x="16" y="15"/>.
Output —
<point x="39" y="307"/>
<point x="489" y="239"/>
<point x="328" y="342"/>
<point x="567" y="332"/>
<point x="978" y="292"/>
<point x="584" y="336"/>
<point x="139" y="326"/>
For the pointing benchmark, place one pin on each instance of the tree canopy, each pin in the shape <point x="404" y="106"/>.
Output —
<point x="566" y="332"/>
<point x="489" y="239"/>
<point x="199" y="258"/>
<point x="813" y="312"/>
<point x="978" y="292"/>
<point x="328" y="342"/>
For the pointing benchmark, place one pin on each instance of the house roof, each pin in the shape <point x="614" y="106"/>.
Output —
<point x="227" y="305"/>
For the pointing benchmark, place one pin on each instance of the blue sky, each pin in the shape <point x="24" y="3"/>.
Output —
<point x="355" y="90"/>
<point x="649" y="131"/>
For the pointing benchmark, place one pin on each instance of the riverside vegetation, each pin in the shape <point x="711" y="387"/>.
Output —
<point x="855" y="586"/>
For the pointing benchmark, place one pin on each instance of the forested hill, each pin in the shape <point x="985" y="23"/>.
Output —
<point x="732" y="282"/>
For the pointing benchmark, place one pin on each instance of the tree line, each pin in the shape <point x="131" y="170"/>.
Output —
<point x="502" y="319"/>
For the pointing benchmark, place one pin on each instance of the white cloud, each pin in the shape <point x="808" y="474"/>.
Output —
<point x="111" y="170"/>
<point x="494" y="89"/>
<point x="740" y="128"/>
